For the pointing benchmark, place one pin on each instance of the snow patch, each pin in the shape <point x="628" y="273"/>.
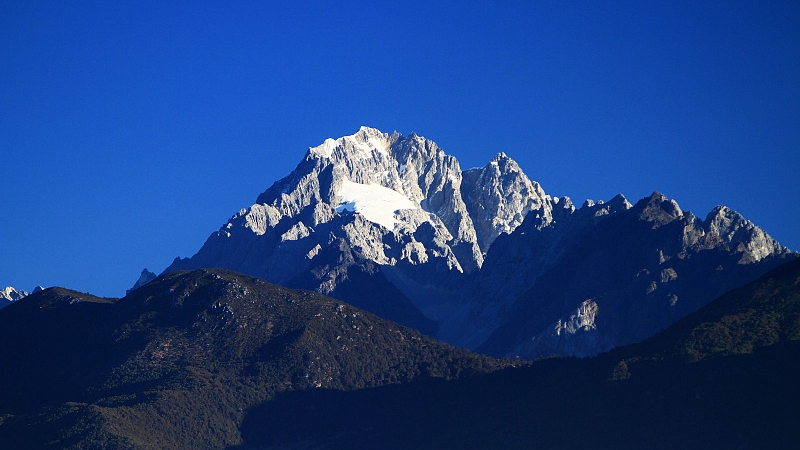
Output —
<point x="376" y="203"/>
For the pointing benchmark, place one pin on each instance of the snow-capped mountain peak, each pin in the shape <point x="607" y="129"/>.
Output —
<point x="409" y="198"/>
<point x="483" y="257"/>
<point x="10" y="293"/>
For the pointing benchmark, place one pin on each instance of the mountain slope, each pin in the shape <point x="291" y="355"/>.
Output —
<point x="740" y="393"/>
<point x="176" y="362"/>
<point x="763" y="313"/>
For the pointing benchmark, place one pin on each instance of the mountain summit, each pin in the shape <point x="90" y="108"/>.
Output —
<point x="483" y="258"/>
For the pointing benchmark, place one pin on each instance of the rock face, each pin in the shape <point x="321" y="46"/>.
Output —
<point x="483" y="258"/>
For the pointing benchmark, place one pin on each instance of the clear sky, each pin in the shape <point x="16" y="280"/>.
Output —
<point x="131" y="130"/>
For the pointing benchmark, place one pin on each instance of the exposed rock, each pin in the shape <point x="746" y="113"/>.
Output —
<point x="740" y="235"/>
<point x="396" y="201"/>
<point x="575" y="334"/>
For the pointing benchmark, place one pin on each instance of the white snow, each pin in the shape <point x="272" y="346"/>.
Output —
<point x="376" y="203"/>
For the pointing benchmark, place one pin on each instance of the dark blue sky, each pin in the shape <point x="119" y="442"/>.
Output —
<point x="129" y="131"/>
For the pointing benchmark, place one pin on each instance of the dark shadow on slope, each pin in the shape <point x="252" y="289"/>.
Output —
<point x="360" y="283"/>
<point x="723" y="377"/>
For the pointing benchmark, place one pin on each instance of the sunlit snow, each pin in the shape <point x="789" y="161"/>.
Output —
<point x="376" y="203"/>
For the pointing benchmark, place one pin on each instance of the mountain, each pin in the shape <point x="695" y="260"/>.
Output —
<point x="649" y="263"/>
<point x="483" y="258"/>
<point x="145" y="277"/>
<point x="10" y="294"/>
<point x="216" y="359"/>
<point x="177" y="362"/>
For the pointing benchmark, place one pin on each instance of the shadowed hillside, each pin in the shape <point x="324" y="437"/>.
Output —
<point x="177" y="362"/>
<point x="724" y="377"/>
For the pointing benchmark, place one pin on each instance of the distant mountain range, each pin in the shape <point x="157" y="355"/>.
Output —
<point x="216" y="359"/>
<point x="483" y="258"/>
